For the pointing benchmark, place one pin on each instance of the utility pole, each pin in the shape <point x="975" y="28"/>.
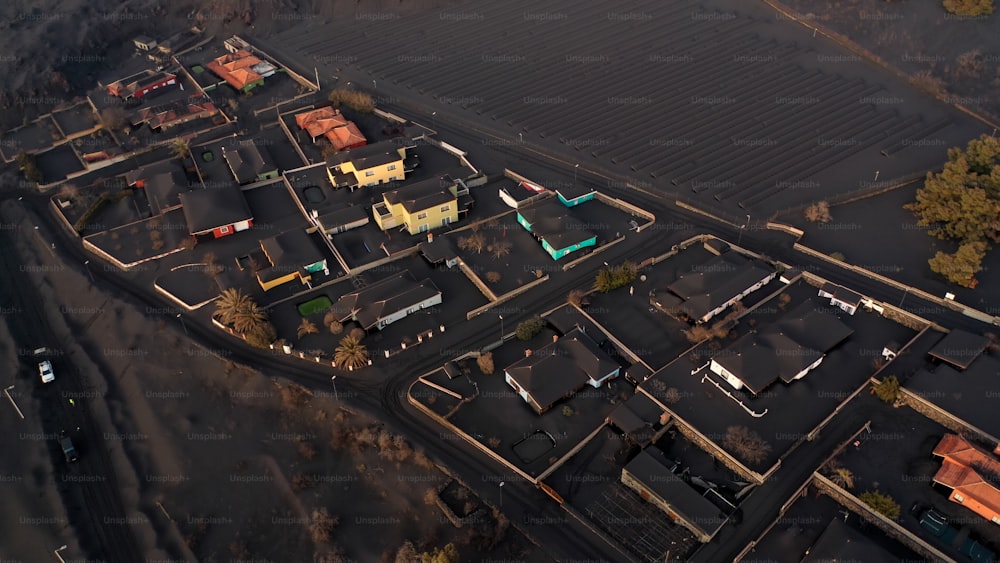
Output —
<point x="56" y="552"/>
<point x="6" y="391"/>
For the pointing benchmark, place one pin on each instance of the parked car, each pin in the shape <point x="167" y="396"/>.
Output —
<point x="937" y="524"/>
<point x="67" y="447"/>
<point x="45" y="372"/>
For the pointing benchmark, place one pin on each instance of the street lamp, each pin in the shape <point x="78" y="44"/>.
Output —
<point x="501" y="328"/>
<point x="333" y="379"/>
<point x="575" y="166"/>
<point x="183" y="325"/>
<point x="520" y="137"/>
<point x="501" y="494"/>
<point x="56" y="552"/>
<point x="86" y="264"/>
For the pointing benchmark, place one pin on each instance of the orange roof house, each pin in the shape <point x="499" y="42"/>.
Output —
<point x="239" y="70"/>
<point x="330" y="123"/>
<point x="319" y="121"/>
<point x="346" y="137"/>
<point x="972" y="474"/>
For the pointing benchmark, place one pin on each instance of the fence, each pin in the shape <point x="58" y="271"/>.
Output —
<point x="628" y="208"/>
<point x="506" y="297"/>
<point x="596" y="251"/>
<point x="295" y="76"/>
<point x="890" y="527"/>
<point x="945" y="418"/>
<point x="872" y="189"/>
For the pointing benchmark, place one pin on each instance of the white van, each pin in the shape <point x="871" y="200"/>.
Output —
<point x="45" y="371"/>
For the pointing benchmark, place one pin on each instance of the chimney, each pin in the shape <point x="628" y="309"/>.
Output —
<point x="527" y="353"/>
<point x="430" y="237"/>
<point x="315" y="214"/>
<point x="555" y="338"/>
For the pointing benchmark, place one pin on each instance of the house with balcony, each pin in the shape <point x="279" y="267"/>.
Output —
<point x="370" y="165"/>
<point x="422" y="206"/>
<point x="559" y="370"/>
<point x="291" y="255"/>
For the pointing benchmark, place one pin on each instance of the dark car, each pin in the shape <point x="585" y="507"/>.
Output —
<point x="67" y="447"/>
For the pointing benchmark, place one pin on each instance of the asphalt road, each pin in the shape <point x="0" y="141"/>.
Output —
<point x="381" y="390"/>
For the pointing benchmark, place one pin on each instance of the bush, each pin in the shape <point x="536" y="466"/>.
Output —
<point x="969" y="7"/>
<point x="29" y="166"/>
<point x="881" y="503"/>
<point x="576" y="298"/>
<point x="493" y="277"/>
<point x="839" y="256"/>
<point x="746" y="444"/>
<point x="358" y="101"/>
<point x="321" y="525"/>
<point x="819" y="212"/>
<point x="887" y="390"/>
<point x="530" y="328"/>
<point x="93" y="210"/>
<point x="485" y="363"/>
<point x="615" y="277"/>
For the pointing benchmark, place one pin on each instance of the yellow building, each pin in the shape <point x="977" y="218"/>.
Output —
<point x="369" y="165"/>
<point x="420" y="207"/>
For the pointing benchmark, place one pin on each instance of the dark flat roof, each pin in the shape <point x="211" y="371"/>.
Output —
<point x="840" y="542"/>
<point x="965" y="394"/>
<point x="209" y="208"/>
<point x="553" y="222"/>
<point x="574" y="191"/>
<point x="342" y="217"/>
<point x="560" y="368"/>
<point x="635" y="414"/>
<point x="694" y="509"/>
<point x="291" y="250"/>
<point x="438" y="250"/>
<point x="384" y="298"/>
<point x="959" y="348"/>
<point x="163" y="190"/>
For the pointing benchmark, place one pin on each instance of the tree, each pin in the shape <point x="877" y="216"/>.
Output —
<point x="962" y="203"/>
<point x="230" y="301"/>
<point x="27" y="164"/>
<point x="530" y="328"/>
<point x="961" y="267"/>
<point x="475" y="242"/>
<point x="485" y="363"/>
<point x="577" y="298"/>
<point x="446" y="554"/>
<point x="493" y="277"/>
<point x="881" y="503"/>
<point x="358" y="101"/>
<point x="969" y="7"/>
<point x="887" y="390"/>
<point x="321" y="525"/>
<point x="842" y="477"/>
<point x="307" y="327"/>
<point x="180" y="147"/>
<point x="819" y="212"/>
<point x="351" y="353"/>
<point x="746" y="444"/>
<point x="500" y="248"/>
<point x="614" y="277"/>
<point x="261" y="336"/>
<point x="249" y="318"/>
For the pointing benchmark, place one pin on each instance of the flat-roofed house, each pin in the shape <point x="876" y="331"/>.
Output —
<point x="552" y="224"/>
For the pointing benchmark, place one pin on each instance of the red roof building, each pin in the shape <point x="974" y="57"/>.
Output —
<point x="144" y="85"/>
<point x="241" y="70"/>
<point x="330" y="123"/>
<point x="972" y="474"/>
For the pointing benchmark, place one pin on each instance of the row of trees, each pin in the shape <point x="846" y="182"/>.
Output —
<point x="961" y="203"/>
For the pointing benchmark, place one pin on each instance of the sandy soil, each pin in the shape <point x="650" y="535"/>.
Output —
<point x="214" y="461"/>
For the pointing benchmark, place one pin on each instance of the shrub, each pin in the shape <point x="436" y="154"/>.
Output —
<point x="969" y="7"/>
<point x="881" y="503"/>
<point x="746" y="444"/>
<point x="839" y="256"/>
<point x="887" y="390"/>
<point x="358" y="101"/>
<point x="615" y="276"/>
<point x="530" y="328"/>
<point x="485" y="363"/>
<point x="819" y="212"/>
<point x="493" y="277"/>
<point x="321" y="525"/>
<point x="576" y="298"/>
<point x="568" y="411"/>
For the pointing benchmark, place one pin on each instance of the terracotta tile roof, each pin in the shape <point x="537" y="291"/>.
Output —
<point x="346" y="136"/>
<point x="235" y="68"/>
<point x="971" y="472"/>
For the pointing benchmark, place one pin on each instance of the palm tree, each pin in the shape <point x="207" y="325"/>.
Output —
<point x="229" y="303"/>
<point x="842" y="477"/>
<point x="180" y="147"/>
<point x="351" y="354"/>
<point x="249" y="319"/>
<point x="307" y="327"/>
